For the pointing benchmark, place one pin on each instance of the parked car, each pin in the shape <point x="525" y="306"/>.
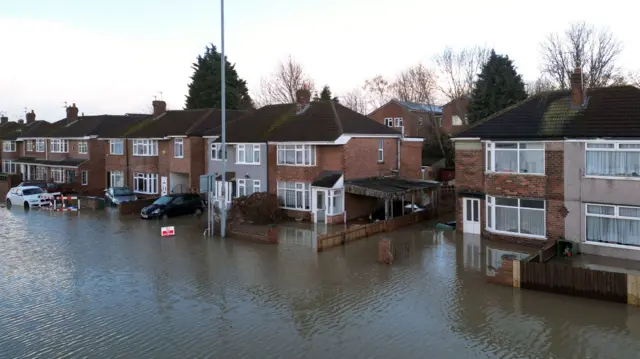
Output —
<point x="49" y="187"/>
<point x="117" y="195"/>
<point x="174" y="205"/>
<point x="27" y="196"/>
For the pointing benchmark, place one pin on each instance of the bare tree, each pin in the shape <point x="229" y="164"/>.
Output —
<point x="378" y="91"/>
<point x="542" y="84"/>
<point x="415" y="84"/>
<point x="356" y="100"/>
<point x="596" y="51"/>
<point x="281" y="86"/>
<point x="634" y="78"/>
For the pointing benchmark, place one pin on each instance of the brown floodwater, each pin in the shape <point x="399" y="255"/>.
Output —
<point x="93" y="285"/>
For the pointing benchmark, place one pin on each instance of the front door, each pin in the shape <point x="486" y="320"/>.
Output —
<point x="164" y="186"/>
<point x="321" y="207"/>
<point x="471" y="215"/>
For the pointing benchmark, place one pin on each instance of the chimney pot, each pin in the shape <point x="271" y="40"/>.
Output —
<point x="303" y="97"/>
<point x="31" y="117"/>
<point x="577" y="90"/>
<point x="159" y="107"/>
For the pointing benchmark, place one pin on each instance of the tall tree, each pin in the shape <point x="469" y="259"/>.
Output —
<point x="325" y="95"/>
<point x="416" y="84"/>
<point x="498" y="87"/>
<point x="281" y="86"/>
<point x="596" y="51"/>
<point x="205" y="90"/>
<point x="356" y="100"/>
<point x="378" y="91"/>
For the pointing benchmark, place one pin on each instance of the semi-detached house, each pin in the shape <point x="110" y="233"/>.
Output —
<point x="307" y="153"/>
<point x="563" y="164"/>
<point x="165" y="153"/>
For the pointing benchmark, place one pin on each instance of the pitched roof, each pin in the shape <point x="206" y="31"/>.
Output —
<point x="320" y="121"/>
<point x="610" y="112"/>
<point x="423" y="107"/>
<point x="327" y="179"/>
<point x="41" y="128"/>
<point x="10" y="130"/>
<point x="183" y="123"/>
<point x="106" y="126"/>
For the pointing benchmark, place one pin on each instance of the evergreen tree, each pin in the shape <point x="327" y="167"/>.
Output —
<point x="325" y="95"/>
<point x="498" y="87"/>
<point x="205" y="90"/>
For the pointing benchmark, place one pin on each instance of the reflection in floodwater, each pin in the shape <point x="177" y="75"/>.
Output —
<point x="98" y="286"/>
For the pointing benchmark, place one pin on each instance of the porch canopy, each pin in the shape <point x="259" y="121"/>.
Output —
<point x="388" y="188"/>
<point x="69" y="162"/>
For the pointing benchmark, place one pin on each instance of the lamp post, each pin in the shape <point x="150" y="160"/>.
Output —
<point x="223" y="105"/>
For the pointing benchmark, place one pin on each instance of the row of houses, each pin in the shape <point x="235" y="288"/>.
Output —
<point x="558" y="165"/>
<point x="308" y="153"/>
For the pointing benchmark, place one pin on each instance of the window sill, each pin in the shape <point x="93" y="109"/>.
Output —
<point x="289" y="165"/>
<point x="116" y="154"/>
<point x="145" y="155"/>
<point x="178" y="157"/>
<point x="613" y="178"/>
<point x="516" y="174"/>
<point x="520" y="235"/>
<point x="247" y="164"/>
<point x="613" y="245"/>
<point x="296" y="209"/>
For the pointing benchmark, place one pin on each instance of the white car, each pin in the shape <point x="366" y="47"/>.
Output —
<point x="27" y="196"/>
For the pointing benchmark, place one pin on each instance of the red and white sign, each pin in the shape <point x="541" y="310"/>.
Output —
<point x="168" y="231"/>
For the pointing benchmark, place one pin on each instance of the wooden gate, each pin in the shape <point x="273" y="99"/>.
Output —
<point x="581" y="282"/>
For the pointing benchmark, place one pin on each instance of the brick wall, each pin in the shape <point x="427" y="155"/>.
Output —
<point x="198" y="158"/>
<point x="359" y="206"/>
<point x="95" y="167"/>
<point x="411" y="159"/>
<point x="361" y="157"/>
<point x="394" y="110"/>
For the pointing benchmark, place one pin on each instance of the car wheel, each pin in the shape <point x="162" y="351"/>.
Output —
<point x="26" y="206"/>
<point x="198" y="212"/>
<point x="164" y="217"/>
<point x="8" y="203"/>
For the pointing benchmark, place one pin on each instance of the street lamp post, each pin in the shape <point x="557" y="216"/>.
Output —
<point x="223" y="105"/>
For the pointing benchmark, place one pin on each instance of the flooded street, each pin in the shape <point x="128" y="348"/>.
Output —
<point x="93" y="285"/>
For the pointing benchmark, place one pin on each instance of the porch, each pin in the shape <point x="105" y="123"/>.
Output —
<point x="61" y="172"/>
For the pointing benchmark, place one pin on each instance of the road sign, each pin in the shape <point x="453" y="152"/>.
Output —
<point x="168" y="231"/>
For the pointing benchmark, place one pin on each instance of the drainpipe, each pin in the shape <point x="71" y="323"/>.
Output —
<point x="125" y="146"/>
<point x="399" y="140"/>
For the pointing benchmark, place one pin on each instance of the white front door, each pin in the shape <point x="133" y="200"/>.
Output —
<point x="471" y="215"/>
<point x="319" y="204"/>
<point x="228" y="193"/>
<point x="164" y="186"/>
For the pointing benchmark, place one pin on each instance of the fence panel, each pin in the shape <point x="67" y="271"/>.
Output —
<point x="582" y="282"/>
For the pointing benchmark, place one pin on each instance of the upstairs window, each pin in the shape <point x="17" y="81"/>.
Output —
<point x="613" y="159"/>
<point x="178" y="148"/>
<point x="40" y="145"/>
<point x="145" y="147"/>
<point x="248" y="154"/>
<point x="296" y="155"/>
<point x="398" y="122"/>
<point x="29" y="145"/>
<point x="380" y="150"/>
<point x="59" y="145"/>
<point x="9" y="146"/>
<point x="515" y="157"/>
<point x="83" y="147"/>
<point x="216" y="152"/>
<point x="116" y="147"/>
<point x="388" y="122"/>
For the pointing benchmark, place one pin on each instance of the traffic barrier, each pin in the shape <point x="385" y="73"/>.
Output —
<point x="59" y="202"/>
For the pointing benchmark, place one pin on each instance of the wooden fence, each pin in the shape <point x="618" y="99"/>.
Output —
<point x="565" y="279"/>
<point x="361" y="231"/>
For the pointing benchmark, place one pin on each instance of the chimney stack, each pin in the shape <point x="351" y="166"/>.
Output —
<point x="577" y="91"/>
<point x="72" y="113"/>
<point x="159" y="107"/>
<point x="303" y="97"/>
<point x="3" y="120"/>
<point x="31" y="117"/>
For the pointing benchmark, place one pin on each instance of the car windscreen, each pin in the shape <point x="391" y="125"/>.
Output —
<point x="31" y="191"/>
<point x="163" y="200"/>
<point x="122" y="192"/>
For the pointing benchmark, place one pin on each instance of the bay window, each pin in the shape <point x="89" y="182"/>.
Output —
<point x="145" y="183"/>
<point x="294" y="195"/>
<point x="9" y="146"/>
<point x="178" y="148"/>
<point x="58" y="145"/>
<point x="145" y="147"/>
<point x="83" y="147"/>
<point x="40" y="145"/>
<point x="613" y="159"/>
<point x="613" y="224"/>
<point x="216" y="152"/>
<point x="520" y="216"/>
<point x="116" y="147"/>
<point x="297" y="155"/>
<point x="515" y="157"/>
<point x="248" y="154"/>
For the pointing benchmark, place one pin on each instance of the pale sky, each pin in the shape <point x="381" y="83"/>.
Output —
<point x="114" y="56"/>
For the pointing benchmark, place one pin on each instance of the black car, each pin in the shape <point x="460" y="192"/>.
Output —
<point x="174" y="205"/>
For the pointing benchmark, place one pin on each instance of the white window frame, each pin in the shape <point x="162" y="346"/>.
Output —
<point x="84" y="177"/>
<point x="151" y="182"/>
<point x="299" y="187"/>
<point x="490" y="156"/>
<point x="83" y="147"/>
<point x="612" y="146"/>
<point x="380" y="150"/>
<point x="388" y="121"/>
<point x="41" y="173"/>
<point x="244" y="148"/>
<point x="113" y="147"/>
<point x="58" y="145"/>
<point x="58" y="174"/>
<point x="490" y="216"/>
<point x="615" y="215"/>
<point x="145" y="148"/>
<point x="178" y="148"/>
<point x="8" y="146"/>
<point x="309" y="153"/>
<point x="256" y="186"/>
<point x="9" y="167"/>
<point x="241" y="188"/>
<point x="41" y="145"/>
<point x="216" y="152"/>
<point x="332" y="198"/>
<point x="29" y="146"/>
<point x="119" y="175"/>
<point x="398" y="122"/>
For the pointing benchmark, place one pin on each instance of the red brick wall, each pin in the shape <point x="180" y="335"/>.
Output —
<point x="359" y="206"/>
<point x="361" y="158"/>
<point x="394" y="110"/>
<point x="327" y="158"/>
<point x="470" y="170"/>
<point x="198" y="159"/>
<point x="38" y="155"/>
<point x="411" y="159"/>
<point x="95" y="167"/>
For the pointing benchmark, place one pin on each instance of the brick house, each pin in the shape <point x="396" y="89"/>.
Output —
<point x="409" y="118"/>
<point x="454" y="115"/>
<point x="68" y="151"/>
<point x="11" y="148"/>
<point x="306" y="152"/>
<point x="165" y="153"/>
<point x="562" y="164"/>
